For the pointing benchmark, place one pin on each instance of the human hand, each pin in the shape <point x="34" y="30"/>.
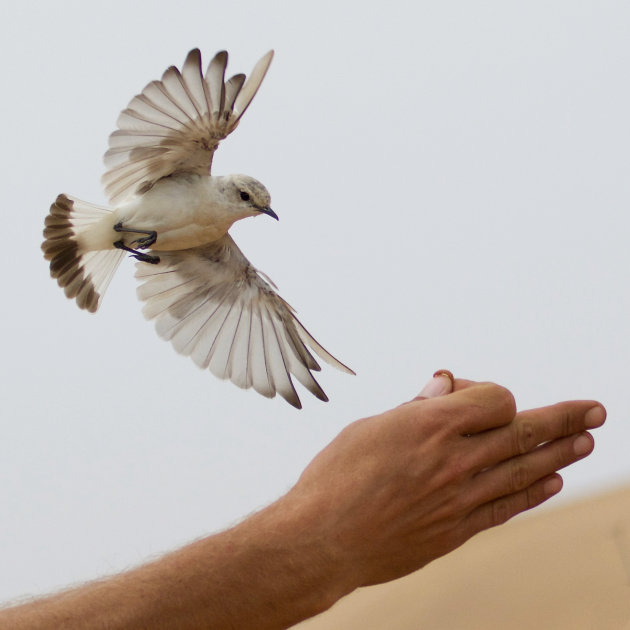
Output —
<point x="394" y="491"/>
<point x="387" y="496"/>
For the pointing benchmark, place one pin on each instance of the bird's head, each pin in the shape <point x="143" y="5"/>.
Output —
<point x="247" y="196"/>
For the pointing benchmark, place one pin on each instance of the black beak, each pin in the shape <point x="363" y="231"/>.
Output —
<point x="269" y="211"/>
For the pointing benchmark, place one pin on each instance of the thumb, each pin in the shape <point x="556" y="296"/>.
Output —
<point x="441" y="384"/>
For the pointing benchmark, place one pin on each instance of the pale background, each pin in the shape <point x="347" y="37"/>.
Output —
<point x="452" y="185"/>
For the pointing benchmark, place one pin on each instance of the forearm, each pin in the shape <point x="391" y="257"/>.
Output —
<point x="269" y="572"/>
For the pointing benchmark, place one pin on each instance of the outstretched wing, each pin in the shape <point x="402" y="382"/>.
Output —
<point x="213" y="305"/>
<point x="176" y="123"/>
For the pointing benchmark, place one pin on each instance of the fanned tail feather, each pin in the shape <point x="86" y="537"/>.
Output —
<point x="83" y="276"/>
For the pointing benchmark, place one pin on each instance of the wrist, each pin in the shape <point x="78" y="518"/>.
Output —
<point x="301" y="560"/>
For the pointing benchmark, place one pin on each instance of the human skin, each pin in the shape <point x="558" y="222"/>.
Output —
<point x="390" y="494"/>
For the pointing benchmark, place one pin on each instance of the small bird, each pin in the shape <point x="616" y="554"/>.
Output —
<point x="173" y="216"/>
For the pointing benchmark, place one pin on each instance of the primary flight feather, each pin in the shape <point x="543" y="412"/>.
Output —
<point x="173" y="216"/>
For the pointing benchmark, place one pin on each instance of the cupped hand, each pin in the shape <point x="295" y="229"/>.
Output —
<point x="399" y="489"/>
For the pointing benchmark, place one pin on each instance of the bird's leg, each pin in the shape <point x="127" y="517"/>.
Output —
<point x="148" y="258"/>
<point x="143" y="242"/>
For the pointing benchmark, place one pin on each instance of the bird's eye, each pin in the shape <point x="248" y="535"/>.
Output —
<point x="244" y="195"/>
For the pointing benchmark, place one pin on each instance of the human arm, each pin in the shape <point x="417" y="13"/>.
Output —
<point x="387" y="496"/>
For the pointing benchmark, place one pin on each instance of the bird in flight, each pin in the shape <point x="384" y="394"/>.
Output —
<point x="173" y="216"/>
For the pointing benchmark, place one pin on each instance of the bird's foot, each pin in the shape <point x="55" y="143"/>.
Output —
<point x="144" y="241"/>
<point x="142" y="257"/>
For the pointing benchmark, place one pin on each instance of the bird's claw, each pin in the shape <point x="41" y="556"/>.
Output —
<point x="145" y="241"/>
<point x="147" y="258"/>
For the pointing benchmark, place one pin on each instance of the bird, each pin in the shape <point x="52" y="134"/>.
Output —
<point x="173" y="216"/>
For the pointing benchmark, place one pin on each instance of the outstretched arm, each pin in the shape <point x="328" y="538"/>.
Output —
<point x="390" y="494"/>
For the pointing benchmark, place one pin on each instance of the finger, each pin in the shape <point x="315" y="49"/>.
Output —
<point x="473" y="408"/>
<point x="481" y="406"/>
<point x="500" y="510"/>
<point x="436" y="386"/>
<point x="441" y="384"/>
<point x="534" y="427"/>
<point x="518" y="473"/>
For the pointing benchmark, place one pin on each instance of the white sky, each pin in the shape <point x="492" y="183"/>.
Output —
<point x="453" y="191"/>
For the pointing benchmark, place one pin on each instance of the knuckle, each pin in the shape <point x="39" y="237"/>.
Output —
<point x="561" y="457"/>
<point x="518" y="476"/>
<point x="568" y="421"/>
<point x="503" y="396"/>
<point x="525" y="436"/>
<point x="501" y="511"/>
<point x="463" y="461"/>
<point x="465" y="502"/>
<point x="534" y="496"/>
<point x="456" y="469"/>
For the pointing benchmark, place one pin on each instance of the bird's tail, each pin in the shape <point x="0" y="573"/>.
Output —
<point x="83" y="274"/>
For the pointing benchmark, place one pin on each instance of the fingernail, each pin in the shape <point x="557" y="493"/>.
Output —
<point x="553" y="486"/>
<point x="448" y="374"/>
<point x="582" y="444"/>
<point x="437" y="386"/>
<point x="594" y="417"/>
